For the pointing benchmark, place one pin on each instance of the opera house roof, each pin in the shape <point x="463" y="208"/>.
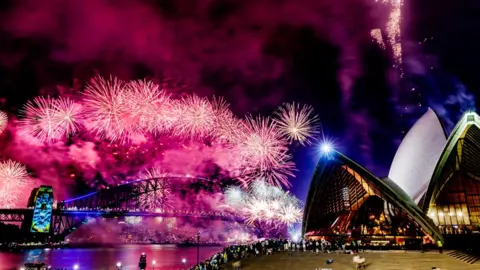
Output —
<point x="423" y="164"/>
<point x="336" y="170"/>
<point x="417" y="156"/>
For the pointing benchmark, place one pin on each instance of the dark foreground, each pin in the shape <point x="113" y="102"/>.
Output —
<point x="391" y="260"/>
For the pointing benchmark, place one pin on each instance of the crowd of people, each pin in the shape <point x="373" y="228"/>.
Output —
<point x="236" y="253"/>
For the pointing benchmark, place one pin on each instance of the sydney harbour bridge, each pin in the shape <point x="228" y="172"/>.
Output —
<point x="117" y="201"/>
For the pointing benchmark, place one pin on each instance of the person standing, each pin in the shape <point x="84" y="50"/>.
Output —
<point x="440" y="246"/>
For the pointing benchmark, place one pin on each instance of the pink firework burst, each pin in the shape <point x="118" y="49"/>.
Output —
<point x="263" y="152"/>
<point x="290" y="214"/>
<point x="41" y="119"/>
<point x="68" y="115"/>
<point x="152" y="106"/>
<point x="3" y="121"/>
<point x="197" y="117"/>
<point x="13" y="180"/>
<point x="278" y="173"/>
<point x="228" y="127"/>
<point x="261" y="145"/>
<point x="297" y="123"/>
<point x="159" y="198"/>
<point x="109" y="109"/>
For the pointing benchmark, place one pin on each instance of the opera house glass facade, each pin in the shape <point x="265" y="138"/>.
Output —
<point x="432" y="189"/>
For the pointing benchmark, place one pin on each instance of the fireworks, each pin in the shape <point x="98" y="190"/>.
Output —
<point x="116" y="113"/>
<point x="133" y="220"/>
<point x="234" y="196"/>
<point x="290" y="214"/>
<point x="297" y="123"/>
<point x="150" y="105"/>
<point x="13" y="177"/>
<point x="48" y="119"/>
<point x="263" y="152"/>
<point x="393" y="27"/>
<point x="3" y="121"/>
<point x="109" y="116"/>
<point x="261" y="145"/>
<point x="197" y="117"/>
<point x="68" y="116"/>
<point x="265" y="204"/>
<point x="376" y="34"/>
<point x="157" y="199"/>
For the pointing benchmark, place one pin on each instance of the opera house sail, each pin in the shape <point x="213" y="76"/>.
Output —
<point x="418" y="154"/>
<point x="452" y="199"/>
<point x="346" y="199"/>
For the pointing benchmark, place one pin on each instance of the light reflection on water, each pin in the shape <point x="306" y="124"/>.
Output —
<point x="167" y="257"/>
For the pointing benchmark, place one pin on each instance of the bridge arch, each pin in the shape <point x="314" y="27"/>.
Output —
<point x="126" y="200"/>
<point x="127" y="196"/>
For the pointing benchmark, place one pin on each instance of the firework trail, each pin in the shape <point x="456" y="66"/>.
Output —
<point x="297" y="123"/>
<point x="393" y="27"/>
<point x="376" y="34"/>
<point x="3" y="121"/>
<point x="13" y="179"/>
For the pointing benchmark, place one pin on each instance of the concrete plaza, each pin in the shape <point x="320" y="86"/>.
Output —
<point x="394" y="260"/>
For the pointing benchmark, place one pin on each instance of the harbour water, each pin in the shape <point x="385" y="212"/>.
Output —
<point x="167" y="257"/>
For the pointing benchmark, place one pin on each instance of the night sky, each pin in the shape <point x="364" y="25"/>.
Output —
<point x="257" y="54"/>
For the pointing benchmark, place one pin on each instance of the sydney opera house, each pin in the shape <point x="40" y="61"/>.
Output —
<point x="432" y="190"/>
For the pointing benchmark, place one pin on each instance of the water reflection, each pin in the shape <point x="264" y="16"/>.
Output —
<point x="167" y="257"/>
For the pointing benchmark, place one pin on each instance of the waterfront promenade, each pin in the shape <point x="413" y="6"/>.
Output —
<point x="391" y="260"/>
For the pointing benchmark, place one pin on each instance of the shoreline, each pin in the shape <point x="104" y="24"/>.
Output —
<point x="6" y="248"/>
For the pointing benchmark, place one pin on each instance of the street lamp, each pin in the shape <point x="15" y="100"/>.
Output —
<point x="184" y="261"/>
<point x="119" y="265"/>
<point x="76" y="267"/>
<point x="198" y="247"/>
<point x="153" y="263"/>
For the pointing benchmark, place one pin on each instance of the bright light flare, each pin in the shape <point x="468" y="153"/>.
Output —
<point x="326" y="147"/>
